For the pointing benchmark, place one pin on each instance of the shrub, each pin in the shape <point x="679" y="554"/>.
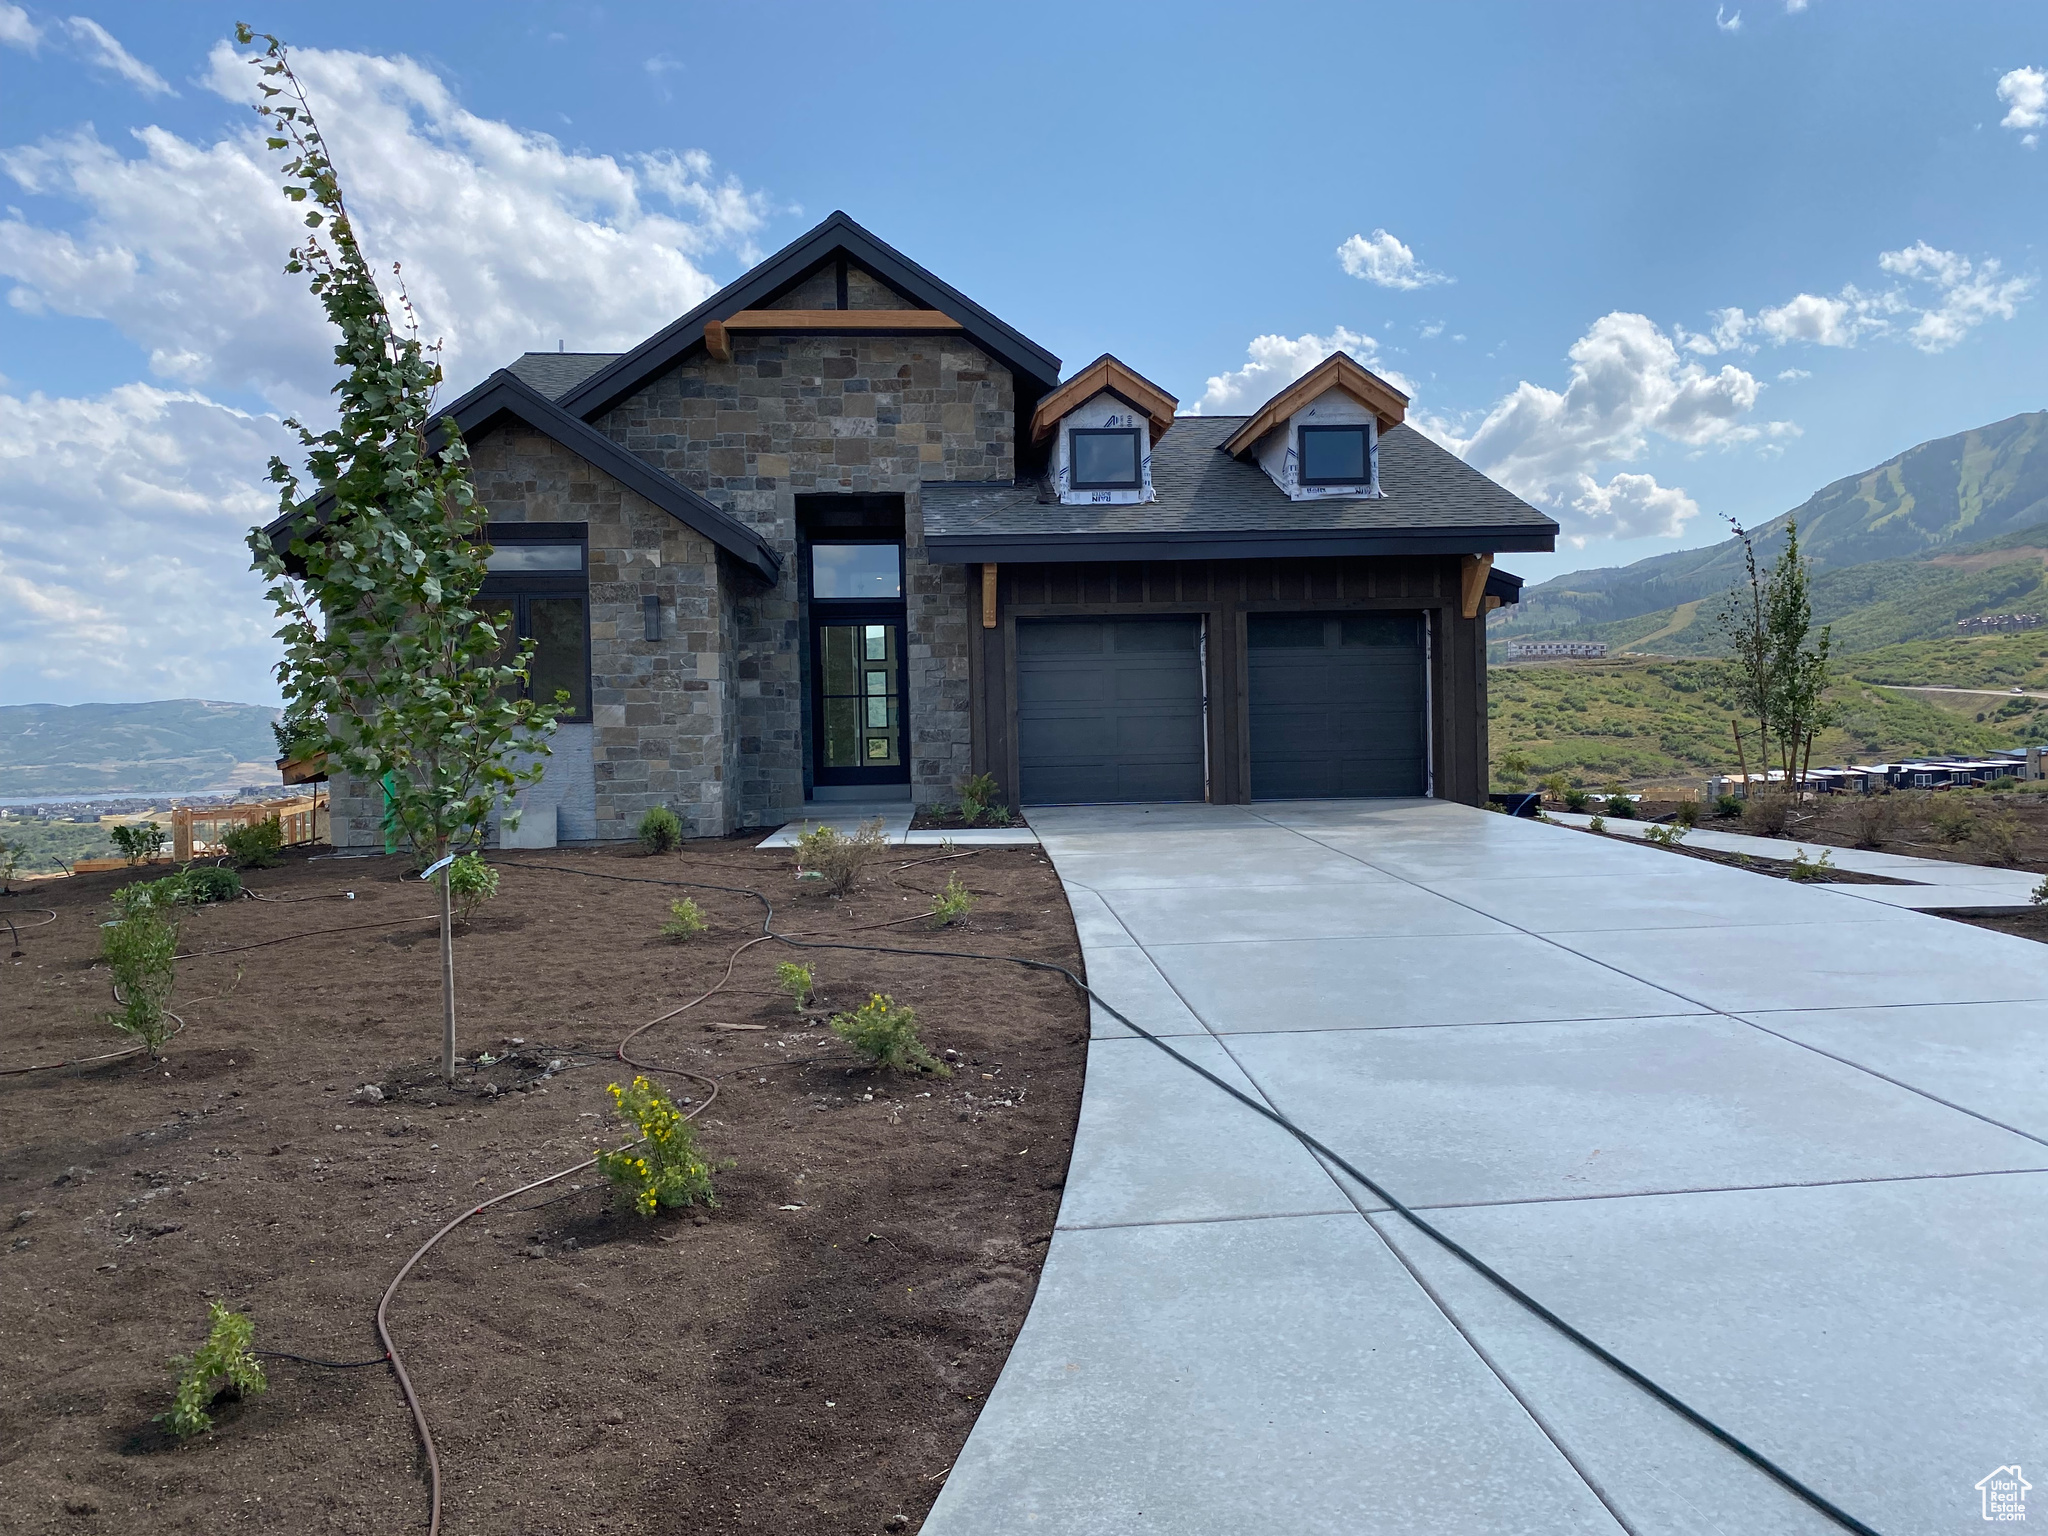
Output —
<point x="1804" y="868"/>
<point x="661" y="830"/>
<point x="10" y="862"/>
<point x="224" y="1364"/>
<point x="1576" y="799"/>
<point x="1597" y="824"/>
<point x="471" y="882"/>
<point x="1620" y="805"/>
<point x="1666" y="837"/>
<point x="1556" y="786"/>
<point x="1874" y="820"/>
<point x="838" y="859"/>
<point x="976" y="793"/>
<point x="887" y="1036"/>
<point x="798" y="982"/>
<point x="204" y="883"/>
<point x="685" y="920"/>
<point x="141" y="949"/>
<point x="1687" y="815"/>
<point x="140" y="842"/>
<point x="1767" y="811"/>
<point x="1953" y="820"/>
<point x="951" y="904"/>
<point x="1999" y="837"/>
<point x="998" y="816"/>
<point x="1727" y="808"/>
<point x="2040" y="896"/>
<point x="664" y="1166"/>
<point x="255" y="846"/>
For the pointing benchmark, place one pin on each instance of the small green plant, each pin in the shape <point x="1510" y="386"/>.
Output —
<point x="471" y="882"/>
<point x="1621" y="805"/>
<point x="1666" y="837"/>
<point x="141" y="948"/>
<point x="661" y="830"/>
<point x="664" y="1166"/>
<point x="1804" y="869"/>
<point x="1687" y="815"/>
<point x="798" y="982"/>
<point x="685" y="920"/>
<point x="998" y="815"/>
<point x="1727" y="808"/>
<point x="10" y="862"/>
<point x="2040" y="896"/>
<point x="201" y="884"/>
<point x="977" y="792"/>
<point x="951" y="904"/>
<point x="1767" y="811"/>
<point x="224" y="1364"/>
<point x="1576" y="799"/>
<point x="1952" y="819"/>
<point x="887" y="1036"/>
<point x="139" y="842"/>
<point x="1597" y="824"/>
<point x="1512" y="768"/>
<point x="1999" y="837"/>
<point x="837" y="859"/>
<point x="255" y="846"/>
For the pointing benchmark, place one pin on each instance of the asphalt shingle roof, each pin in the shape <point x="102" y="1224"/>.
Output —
<point x="554" y="374"/>
<point x="1203" y="491"/>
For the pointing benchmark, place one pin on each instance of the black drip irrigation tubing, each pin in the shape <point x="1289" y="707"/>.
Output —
<point x="1786" y="1480"/>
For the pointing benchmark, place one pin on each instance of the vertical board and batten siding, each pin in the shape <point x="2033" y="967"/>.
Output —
<point x="1224" y="593"/>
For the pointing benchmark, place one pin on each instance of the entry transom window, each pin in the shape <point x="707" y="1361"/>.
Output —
<point x="1105" y="459"/>
<point x="1336" y="456"/>
<point x="856" y="570"/>
<point x="506" y="558"/>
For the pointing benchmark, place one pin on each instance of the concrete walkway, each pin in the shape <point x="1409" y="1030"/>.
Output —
<point x="1941" y="885"/>
<point x="895" y="816"/>
<point x="1783" y="1149"/>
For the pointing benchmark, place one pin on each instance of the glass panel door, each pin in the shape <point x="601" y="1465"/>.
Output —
<point x="860" y="697"/>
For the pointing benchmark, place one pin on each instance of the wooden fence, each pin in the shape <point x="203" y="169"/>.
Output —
<point x="196" y="831"/>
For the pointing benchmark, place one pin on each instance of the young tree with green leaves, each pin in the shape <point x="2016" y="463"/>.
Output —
<point x="389" y="661"/>
<point x="1777" y="669"/>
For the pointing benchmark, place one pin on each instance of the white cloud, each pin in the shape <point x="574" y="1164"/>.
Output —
<point x="1274" y="362"/>
<point x="1794" y="7"/>
<point x="16" y="30"/>
<point x="1432" y="330"/>
<point x="508" y="240"/>
<point x="1386" y="262"/>
<point x="1969" y="294"/>
<point x="1725" y="22"/>
<point x="100" y="47"/>
<point x="2025" y="93"/>
<point x="1793" y="375"/>
<point x="122" y="569"/>
<point x="1630" y="385"/>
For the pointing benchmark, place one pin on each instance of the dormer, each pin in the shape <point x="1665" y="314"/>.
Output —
<point x="1098" y="429"/>
<point x="1320" y="436"/>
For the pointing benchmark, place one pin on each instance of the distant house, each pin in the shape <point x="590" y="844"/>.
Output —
<point x="1532" y="650"/>
<point x="841" y="533"/>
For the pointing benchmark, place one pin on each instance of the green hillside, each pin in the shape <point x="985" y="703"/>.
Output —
<point x="1648" y="720"/>
<point x="1977" y="488"/>
<point x="172" y="746"/>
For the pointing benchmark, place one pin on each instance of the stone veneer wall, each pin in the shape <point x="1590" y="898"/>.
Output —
<point x="797" y="414"/>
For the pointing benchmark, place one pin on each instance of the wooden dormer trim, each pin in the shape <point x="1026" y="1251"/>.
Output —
<point x="717" y="333"/>
<point x="1105" y="375"/>
<point x="1337" y="371"/>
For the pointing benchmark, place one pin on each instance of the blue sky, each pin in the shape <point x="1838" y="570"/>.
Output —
<point x="1645" y="264"/>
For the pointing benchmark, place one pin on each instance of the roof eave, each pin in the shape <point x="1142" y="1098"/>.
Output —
<point x="1232" y="544"/>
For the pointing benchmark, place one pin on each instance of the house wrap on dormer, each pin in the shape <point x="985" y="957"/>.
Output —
<point x="1098" y="430"/>
<point x="1320" y="436"/>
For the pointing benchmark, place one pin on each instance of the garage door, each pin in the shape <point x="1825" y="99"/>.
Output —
<point x="1337" y="705"/>
<point x="1109" y="709"/>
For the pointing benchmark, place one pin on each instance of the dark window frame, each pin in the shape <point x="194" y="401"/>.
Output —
<point x="1074" y="480"/>
<point x="1301" y="452"/>
<point x="520" y="588"/>
<point x="823" y="612"/>
<point x="810" y="571"/>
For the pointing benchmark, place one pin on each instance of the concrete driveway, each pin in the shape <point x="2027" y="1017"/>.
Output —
<point x="1784" y="1151"/>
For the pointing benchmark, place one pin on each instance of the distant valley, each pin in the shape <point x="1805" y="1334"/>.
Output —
<point x="171" y="746"/>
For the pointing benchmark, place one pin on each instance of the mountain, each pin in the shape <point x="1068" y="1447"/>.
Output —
<point x="172" y="746"/>
<point x="1984" y="491"/>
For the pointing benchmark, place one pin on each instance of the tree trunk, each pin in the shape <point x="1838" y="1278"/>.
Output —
<point x="447" y="980"/>
<point x="1741" y="761"/>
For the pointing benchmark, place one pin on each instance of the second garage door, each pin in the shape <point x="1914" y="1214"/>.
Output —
<point x="1109" y="709"/>
<point x="1337" y="704"/>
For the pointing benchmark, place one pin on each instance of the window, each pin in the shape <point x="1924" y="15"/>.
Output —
<point x="1336" y="456"/>
<point x="853" y="571"/>
<point x="1105" y="459"/>
<point x="538" y="586"/>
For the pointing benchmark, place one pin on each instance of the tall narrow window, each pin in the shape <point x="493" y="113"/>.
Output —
<point x="1105" y="458"/>
<point x="538" y="588"/>
<point x="858" y="647"/>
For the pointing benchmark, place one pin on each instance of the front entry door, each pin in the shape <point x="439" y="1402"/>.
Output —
<point x="857" y="724"/>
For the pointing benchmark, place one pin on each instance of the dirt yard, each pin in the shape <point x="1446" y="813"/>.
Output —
<point x="806" y="1358"/>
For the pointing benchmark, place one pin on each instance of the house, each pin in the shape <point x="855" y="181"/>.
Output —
<point x="840" y="533"/>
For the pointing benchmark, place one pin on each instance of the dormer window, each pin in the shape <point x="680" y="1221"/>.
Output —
<point x="1106" y="458"/>
<point x="1336" y="455"/>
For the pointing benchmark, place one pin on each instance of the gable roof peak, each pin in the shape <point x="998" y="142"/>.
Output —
<point x="1107" y="374"/>
<point x="1339" y="371"/>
